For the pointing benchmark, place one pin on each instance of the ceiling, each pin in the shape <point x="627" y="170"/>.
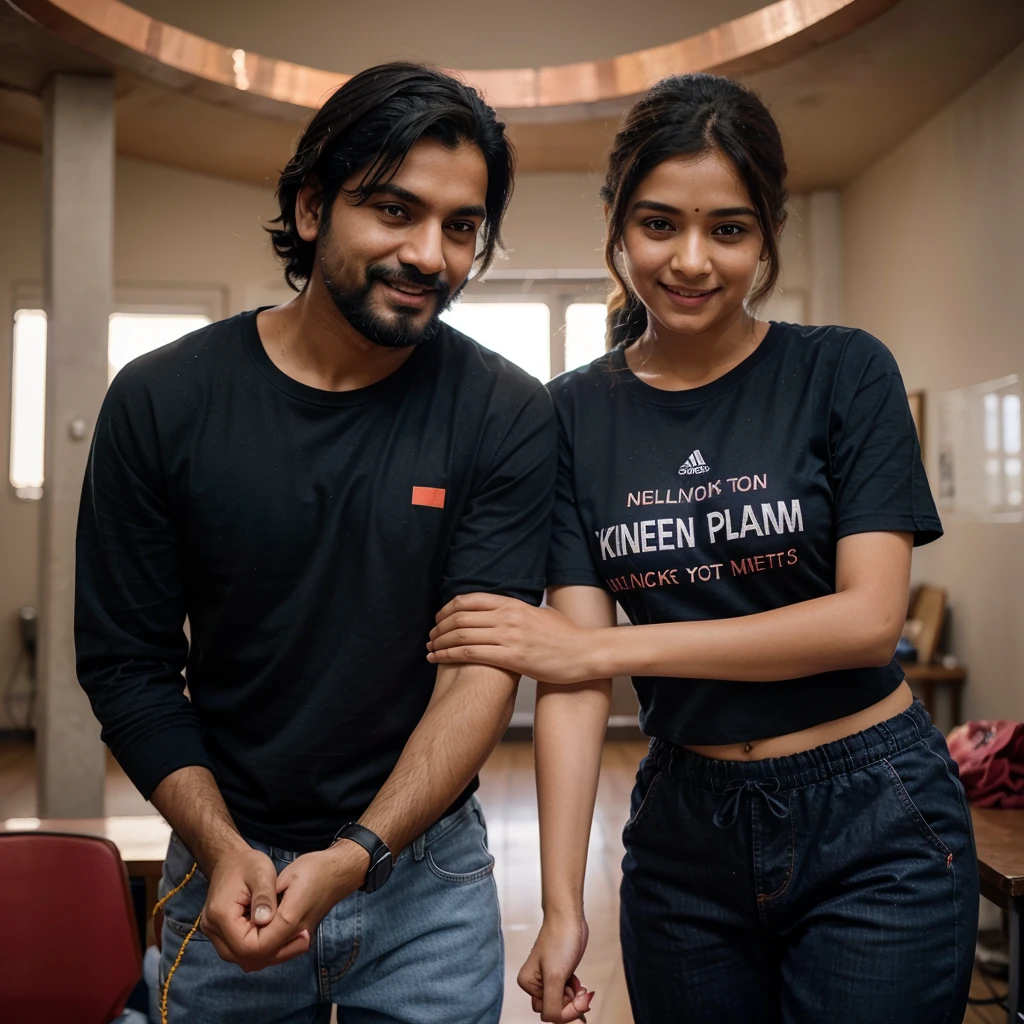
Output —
<point x="450" y="33"/>
<point x="840" y="105"/>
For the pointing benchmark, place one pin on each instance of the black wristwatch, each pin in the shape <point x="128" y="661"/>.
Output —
<point x="381" y="863"/>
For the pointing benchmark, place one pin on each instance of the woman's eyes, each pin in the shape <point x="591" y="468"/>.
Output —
<point x="661" y="226"/>
<point x="658" y="224"/>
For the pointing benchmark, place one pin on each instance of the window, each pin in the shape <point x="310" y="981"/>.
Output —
<point x="584" y="333"/>
<point x="980" y="455"/>
<point x="134" y="334"/>
<point x="130" y="335"/>
<point x="28" y="401"/>
<point x="519" y="331"/>
<point x="545" y="321"/>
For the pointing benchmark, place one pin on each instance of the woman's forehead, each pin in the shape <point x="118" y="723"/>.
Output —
<point x="695" y="179"/>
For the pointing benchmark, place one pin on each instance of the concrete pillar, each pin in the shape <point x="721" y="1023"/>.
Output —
<point x="78" y="243"/>
<point x="825" y="257"/>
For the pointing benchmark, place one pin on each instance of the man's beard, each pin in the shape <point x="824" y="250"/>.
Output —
<point x="398" y="327"/>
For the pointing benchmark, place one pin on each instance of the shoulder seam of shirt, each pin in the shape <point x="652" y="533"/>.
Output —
<point x="152" y="453"/>
<point x="835" y="384"/>
<point x="831" y="407"/>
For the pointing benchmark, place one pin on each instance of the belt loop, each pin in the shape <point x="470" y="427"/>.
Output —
<point x="418" y="847"/>
<point x="918" y="718"/>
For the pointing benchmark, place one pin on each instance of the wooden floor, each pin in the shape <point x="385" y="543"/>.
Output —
<point x="507" y="793"/>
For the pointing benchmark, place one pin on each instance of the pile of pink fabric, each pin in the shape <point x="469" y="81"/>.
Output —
<point x="991" y="760"/>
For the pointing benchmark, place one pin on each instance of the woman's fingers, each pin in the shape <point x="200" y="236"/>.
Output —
<point x="464" y="636"/>
<point x="496" y="657"/>
<point x="472" y="603"/>
<point x="460" y="620"/>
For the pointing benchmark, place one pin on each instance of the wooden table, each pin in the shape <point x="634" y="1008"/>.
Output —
<point x="999" y="835"/>
<point x="140" y="839"/>
<point x="925" y="678"/>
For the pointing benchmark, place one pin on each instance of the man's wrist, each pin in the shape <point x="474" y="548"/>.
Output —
<point x="209" y="851"/>
<point x="351" y="863"/>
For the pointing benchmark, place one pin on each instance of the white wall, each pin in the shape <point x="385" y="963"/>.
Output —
<point x="933" y="267"/>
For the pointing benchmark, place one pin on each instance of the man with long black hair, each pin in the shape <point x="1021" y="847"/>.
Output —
<point x="307" y="485"/>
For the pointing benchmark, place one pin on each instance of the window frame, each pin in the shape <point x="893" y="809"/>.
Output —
<point x="558" y="289"/>
<point x="963" y="442"/>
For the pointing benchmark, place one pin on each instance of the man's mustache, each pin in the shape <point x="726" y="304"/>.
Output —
<point x="406" y="274"/>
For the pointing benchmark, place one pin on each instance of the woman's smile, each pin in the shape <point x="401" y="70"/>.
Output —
<point x="690" y="298"/>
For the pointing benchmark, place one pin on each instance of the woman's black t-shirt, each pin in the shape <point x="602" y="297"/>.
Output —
<point x="728" y="499"/>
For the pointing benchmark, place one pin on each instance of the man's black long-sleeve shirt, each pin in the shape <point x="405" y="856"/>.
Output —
<point x="309" y="537"/>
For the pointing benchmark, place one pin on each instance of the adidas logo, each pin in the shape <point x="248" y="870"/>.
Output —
<point x="694" y="465"/>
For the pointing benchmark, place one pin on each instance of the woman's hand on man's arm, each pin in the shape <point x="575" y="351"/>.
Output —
<point x="543" y="643"/>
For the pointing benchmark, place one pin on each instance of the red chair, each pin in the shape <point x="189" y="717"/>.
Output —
<point x="69" y="947"/>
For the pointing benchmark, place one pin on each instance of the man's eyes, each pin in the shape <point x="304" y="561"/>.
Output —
<point x="398" y="212"/>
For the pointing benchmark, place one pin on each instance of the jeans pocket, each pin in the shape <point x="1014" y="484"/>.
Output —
<point x="643" y="800"/>
<point x="938" y="751"/>
<point x="913" y="812"/>
<point x="183" y="886"/>
<point x="460" y="855"/>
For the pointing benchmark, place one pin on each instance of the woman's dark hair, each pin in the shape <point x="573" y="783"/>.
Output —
<point x="370" y="124"/>
<point x="682" y="115"/>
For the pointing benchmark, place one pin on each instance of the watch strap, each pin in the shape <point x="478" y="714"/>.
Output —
<point x="381" y="861"/>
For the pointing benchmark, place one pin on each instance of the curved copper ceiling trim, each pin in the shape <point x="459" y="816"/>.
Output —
<point x="134" y="42"/>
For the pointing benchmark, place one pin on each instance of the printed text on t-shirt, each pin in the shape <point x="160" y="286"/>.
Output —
<point x="688" y="495"/>
<point x="671" y="534"/>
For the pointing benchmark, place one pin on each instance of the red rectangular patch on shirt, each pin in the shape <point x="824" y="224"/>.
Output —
<point x="432" y="496"/>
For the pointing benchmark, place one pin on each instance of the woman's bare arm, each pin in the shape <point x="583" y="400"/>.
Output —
<point x="569" y="728"/>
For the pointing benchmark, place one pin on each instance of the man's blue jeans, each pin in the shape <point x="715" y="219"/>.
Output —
<point x="426" y="948"/>
<point x="837" y="886"/>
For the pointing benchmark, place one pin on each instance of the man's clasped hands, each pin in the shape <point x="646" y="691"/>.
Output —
<point x="256" y="917"/>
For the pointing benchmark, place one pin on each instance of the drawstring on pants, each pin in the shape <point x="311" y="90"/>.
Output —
<point x="729" y="809"/>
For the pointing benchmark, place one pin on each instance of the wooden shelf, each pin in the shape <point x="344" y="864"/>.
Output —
<point x="926" y="677"/>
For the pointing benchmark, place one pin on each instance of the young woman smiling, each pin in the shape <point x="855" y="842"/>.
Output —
<point x="799" y="847"/>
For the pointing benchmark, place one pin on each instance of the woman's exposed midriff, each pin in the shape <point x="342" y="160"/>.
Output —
<point x="807" y="739"/>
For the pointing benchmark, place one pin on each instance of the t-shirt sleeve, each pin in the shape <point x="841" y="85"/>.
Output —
<point x="501" y="539"/>
<point x="878" y="479"/>
<point x="570" y="562"/>
<point x="129" y="598"/>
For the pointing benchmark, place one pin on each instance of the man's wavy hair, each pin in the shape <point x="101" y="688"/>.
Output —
<point x="369" y="125"/>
